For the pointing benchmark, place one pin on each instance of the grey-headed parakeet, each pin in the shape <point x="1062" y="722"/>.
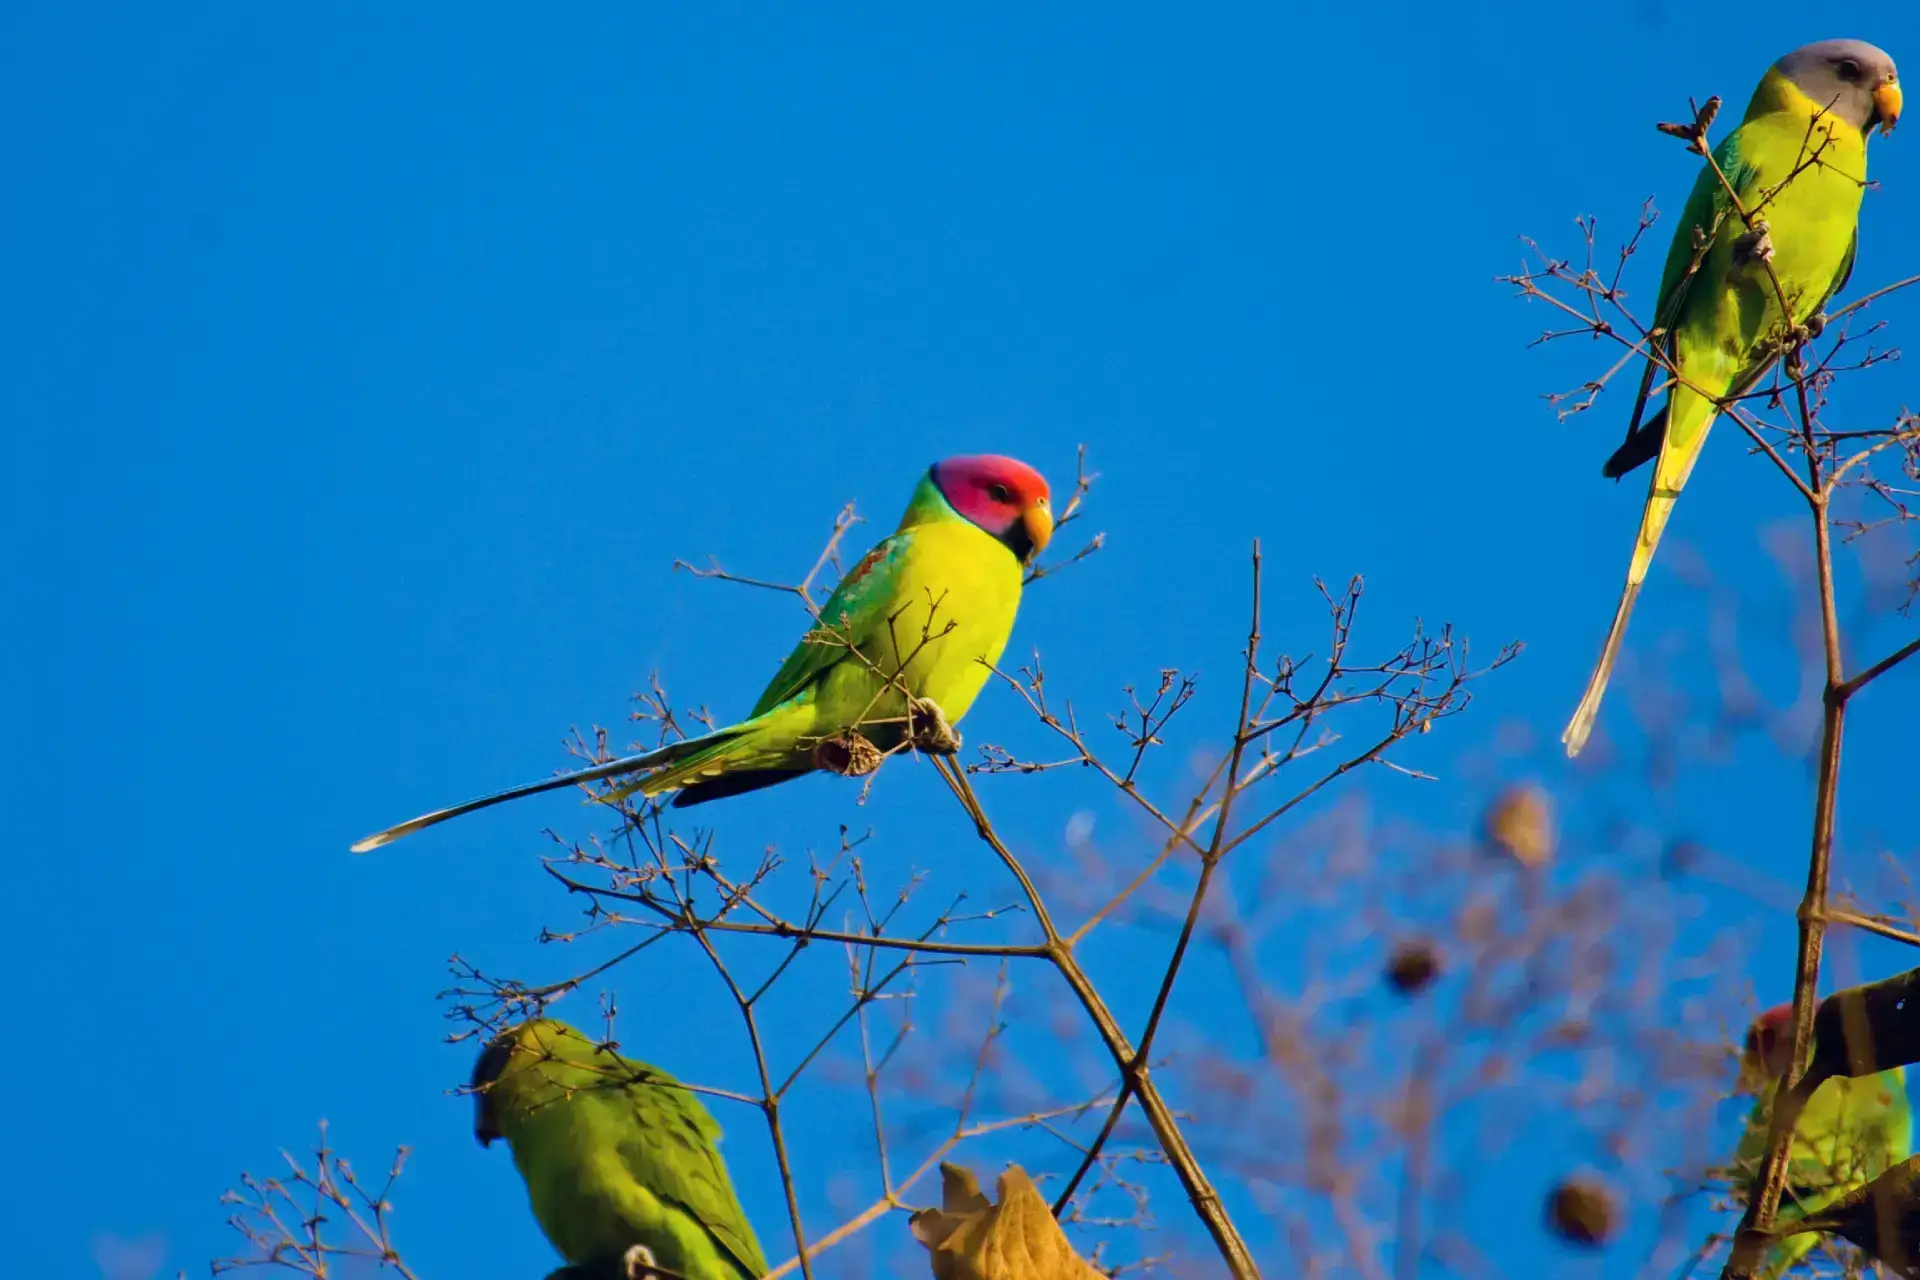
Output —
<point x="1798" y="161"/>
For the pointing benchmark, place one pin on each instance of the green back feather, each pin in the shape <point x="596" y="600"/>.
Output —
<point x="663" y="1138"/>
<point x="859" y="605"/>
<point x="1708" y="209"/>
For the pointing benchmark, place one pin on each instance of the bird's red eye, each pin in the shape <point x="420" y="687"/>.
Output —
<point x="998" y="492"/>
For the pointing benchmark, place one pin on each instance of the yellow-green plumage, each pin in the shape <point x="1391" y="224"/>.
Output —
<point x="1798" y="164"/>
<point x="1851" y="1132"/>
<point x="614" y="1154"/>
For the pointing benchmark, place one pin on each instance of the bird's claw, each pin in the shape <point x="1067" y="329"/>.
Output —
<point x="1796" y="342"/>
<point x="928" y="729"/>
<point x="637" y="1263"/>
<point x="1755" y="246"/>
<point x="1790" y="344"/>
<point x="1815" y="326"/>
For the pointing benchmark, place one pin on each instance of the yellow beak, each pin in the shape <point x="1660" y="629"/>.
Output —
<point x="1887" y="101"/>
<point x="1038" y="520"/>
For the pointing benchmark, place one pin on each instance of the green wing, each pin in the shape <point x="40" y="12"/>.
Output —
<point x="855" y="610"/>
<point x="672" y="1148"/>
<point x="1706" y="204"/>
<point x="1704" y="209"/>
<point x="1710" y="211"/>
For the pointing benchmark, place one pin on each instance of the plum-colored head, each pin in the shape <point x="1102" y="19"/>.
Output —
<point x="1768" y="1052"/>
<point x="1004" y="496"/>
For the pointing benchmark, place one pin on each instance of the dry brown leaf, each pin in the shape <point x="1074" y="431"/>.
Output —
<point x="1017" y="1239"/>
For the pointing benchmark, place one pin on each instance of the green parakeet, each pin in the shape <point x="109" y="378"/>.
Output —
<point x="1720" y="325"/>
<point x="1852" y="1131"/>
<point x="921" y="615"/>
<point x="615" y="1154"/>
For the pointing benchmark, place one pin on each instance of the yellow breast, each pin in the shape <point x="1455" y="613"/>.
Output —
<point x="958" y="593"/>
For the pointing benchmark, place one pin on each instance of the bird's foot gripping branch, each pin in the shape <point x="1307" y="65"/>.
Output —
<point x="929" y="730"/>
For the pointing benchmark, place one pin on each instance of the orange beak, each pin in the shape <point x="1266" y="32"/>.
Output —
<point x="1887" y="101"/>
<point x="1038" y="520"/>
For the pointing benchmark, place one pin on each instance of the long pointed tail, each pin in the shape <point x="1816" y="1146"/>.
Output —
<point x="1578" y="728"/>
<point x="1679" y="450"/>
<point x="612" y="768"/>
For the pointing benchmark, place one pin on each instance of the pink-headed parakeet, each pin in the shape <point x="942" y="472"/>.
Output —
<point x="920" y="616"/>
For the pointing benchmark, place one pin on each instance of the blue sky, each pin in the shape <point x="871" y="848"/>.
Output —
<point x="367" y="371"/>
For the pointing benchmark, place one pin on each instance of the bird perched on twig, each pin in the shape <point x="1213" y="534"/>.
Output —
<point x="900" y="651"/>
<point x="1782" y="225"/>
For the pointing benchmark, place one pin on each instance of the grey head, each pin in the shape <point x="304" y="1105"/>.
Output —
<point x="1854" y="80"/>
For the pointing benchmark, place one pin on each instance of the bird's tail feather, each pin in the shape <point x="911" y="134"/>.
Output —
<point x="1640" y="448"/>
<point x="1686" y="421"/>
<point x="1578" y="728"/>
<point x="711" y="756"/>
<point x="1679" y="450"/>
<point x="734" y="783"/>
<point x="666" y="755"/>
<point x="774" y="742"/>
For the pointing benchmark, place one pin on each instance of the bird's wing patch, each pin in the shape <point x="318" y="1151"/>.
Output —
<point x="850" y="614"/>
<point x="671" y="1150"/>
<point x="1705" y="203"/>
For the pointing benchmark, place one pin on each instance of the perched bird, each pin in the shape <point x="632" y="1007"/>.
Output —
<point x="614" y="1153"/>
<point x="1851" y="1131"/>
<point x="1798" y="162"/>
<point x="899" y="653"/>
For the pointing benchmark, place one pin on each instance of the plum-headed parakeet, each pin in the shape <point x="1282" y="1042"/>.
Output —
<point x="901" y="649"/>
<point x="1851" y="1131"/>
<point x="1798" y="161"/>
<point x="615" y="1154"/>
